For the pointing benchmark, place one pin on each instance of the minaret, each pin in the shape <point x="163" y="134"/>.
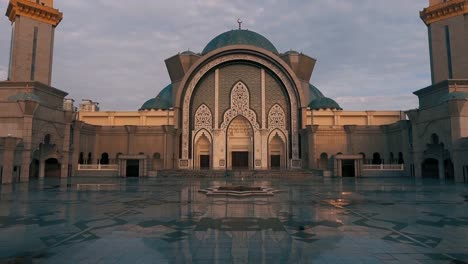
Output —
<point x="32" y="40"/>
<point x="447" y="22"/>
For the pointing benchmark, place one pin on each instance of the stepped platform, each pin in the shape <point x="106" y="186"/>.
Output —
<point x="255" y="174"/>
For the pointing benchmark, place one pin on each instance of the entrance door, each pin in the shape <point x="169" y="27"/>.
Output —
<point x="430" y="169"/>
<point x="240" y="160"/>
<point x="204" y="162"/>
<point x="52" y="168"/>
<point x="133" y="168"/>
<point x="275" y="161"/>
<point x="348" y="169"/>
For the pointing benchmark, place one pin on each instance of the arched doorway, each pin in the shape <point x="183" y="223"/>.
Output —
<point x="203" y="152"/>
<point x="430" y="168"/>
<point x="104" y="158"/>
<point x="90" y="158"/>
<point x="52" y="168"/>
<point x="277" y="153"/>
<point x="81" y="158"/>
<point x="240" y="144"/>
<point x="400" y="158"/>
<point x="323" y="161"/>
<point x="376" y="158"/>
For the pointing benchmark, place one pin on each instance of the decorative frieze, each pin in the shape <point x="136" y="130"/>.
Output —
<point x="34" y="11"/>
<point x="444" y="10"/>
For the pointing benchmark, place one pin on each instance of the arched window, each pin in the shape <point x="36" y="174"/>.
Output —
<point x="400" y="158"/>
<point x="81" y="158"/>
<point x="104" y="158"/>
<point x="391" y="157"/>
<point x="157" y="156"/>
<point x="376" y="158"/>
<point x="90" y="158"/>
<point x="323" y="161"/>
<point x="434" y="139"/>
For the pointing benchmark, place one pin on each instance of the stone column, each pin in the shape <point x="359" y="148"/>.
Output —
<point x="41" y="168"/>
<point x="417" y="165"/>
<point x="441" y="169"/>
<point x="8" y="159"/>
<point x="25" y="165"/>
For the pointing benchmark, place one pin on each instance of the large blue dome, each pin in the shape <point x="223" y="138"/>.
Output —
<point x="163" y="101"/>
<point x="239" y="37"/>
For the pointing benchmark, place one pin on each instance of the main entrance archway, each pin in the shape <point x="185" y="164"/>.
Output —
<point x="240" y="144"/>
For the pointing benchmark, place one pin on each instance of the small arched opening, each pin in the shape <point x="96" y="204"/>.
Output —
<point x="104" y="158"/>
<point x="47" y="139"/>
<point x="90" y="158"/>
<point x="203" y="152"/>
<point x="81" y="158"/>
<point x="434" y="139"/>
<point x="376" y="158"/>
<point x="401" y="160"/>
<point x="430" y="168"/>
<point x="391" y="158"/>
<point x="277" y="152"/>
<point x="52" y="168"/>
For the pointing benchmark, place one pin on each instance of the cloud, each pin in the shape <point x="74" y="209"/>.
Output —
<point x="113" y="51"/>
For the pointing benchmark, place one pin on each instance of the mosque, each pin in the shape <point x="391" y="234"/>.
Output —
<point x="239" y="104"/>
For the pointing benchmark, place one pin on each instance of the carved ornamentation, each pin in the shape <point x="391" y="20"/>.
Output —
<point x="33" y="10"/>
<point x="444" y="10"/>
<point x="240" y="105"/>
<point x="203" y="118"/>
<point x="236" y="57"/>
<point x="276" y="118"/>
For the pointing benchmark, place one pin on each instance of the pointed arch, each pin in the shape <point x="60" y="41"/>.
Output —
<point x="203" y="118"/>
<point x="276" y="118"/>
<point x="240" y="106"/>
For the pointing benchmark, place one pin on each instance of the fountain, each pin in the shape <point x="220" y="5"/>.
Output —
<point x="239" y="191"/>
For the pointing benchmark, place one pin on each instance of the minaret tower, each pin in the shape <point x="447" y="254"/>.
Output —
<point x="447" y="22"/>
<point x="32" y="40"/>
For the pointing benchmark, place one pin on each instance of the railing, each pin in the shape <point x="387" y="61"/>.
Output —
<point x="98" y="167"/>
<point x="385" y="167"/>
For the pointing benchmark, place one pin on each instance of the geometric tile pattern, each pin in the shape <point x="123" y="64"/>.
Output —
<point x="167" y="220"/>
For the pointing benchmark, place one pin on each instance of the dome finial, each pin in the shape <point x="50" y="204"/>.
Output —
<point x="239" y="21"/>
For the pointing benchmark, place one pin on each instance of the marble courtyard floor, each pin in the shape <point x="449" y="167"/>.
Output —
<point x="166" y="220"/>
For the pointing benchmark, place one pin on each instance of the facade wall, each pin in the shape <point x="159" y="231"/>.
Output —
<point x="230" y="75"/>
<point x="204" y="94"/>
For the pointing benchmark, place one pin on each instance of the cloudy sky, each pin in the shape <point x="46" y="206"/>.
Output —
<point x="372" y="54"/>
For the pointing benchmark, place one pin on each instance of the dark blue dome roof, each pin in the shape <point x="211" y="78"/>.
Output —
<point x="239" y="37"/>
<point x="163" y="101"/>
<point x="324" y="103"/>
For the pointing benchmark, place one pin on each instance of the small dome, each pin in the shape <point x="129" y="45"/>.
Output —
<point x="314" y="93"/>
<point x="291" y="52"/>
<point x="25" y="97"/>
<point x="324" y="103"/>
<point x="239" y="37"/>
<point x="453" y="96"/>
<point x="162" y="101"/>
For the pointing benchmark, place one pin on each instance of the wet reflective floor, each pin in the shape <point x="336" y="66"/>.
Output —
<point x="168" y="220"/>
